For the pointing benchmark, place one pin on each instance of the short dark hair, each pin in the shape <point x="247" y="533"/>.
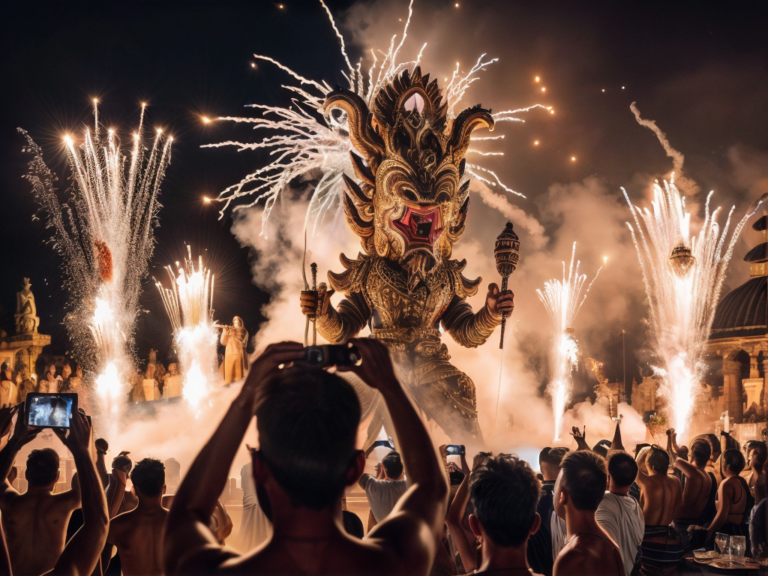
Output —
<point x="42" y="467"/>
<point x="735" y="460"/>
<point x="552" y="456"/>
<point x="585" y="476"/>
<point x="658" y="460"/>
<point x="393" y="465"/>
<point x="148" y="476"/>
<point x="622" y="468"/>
<point x="701" y="451"/>
<point x="601" y="448"/>
<point x="121" y="462"/>
<point x="307" y="428"/>
<point x="504" y="493"/>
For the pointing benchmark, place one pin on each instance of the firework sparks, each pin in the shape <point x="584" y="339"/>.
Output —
<point x="683" y="276"/>
<point x="105" y="234"/>
<point x="301" y="138"/>
<point x="189" y="304"/>
<point x="563" y="300"/>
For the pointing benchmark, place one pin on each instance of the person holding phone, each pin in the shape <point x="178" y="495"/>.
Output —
<point x="307" y="421"/>
<point x="384" y="492"/>
<point x="35" y="523"/>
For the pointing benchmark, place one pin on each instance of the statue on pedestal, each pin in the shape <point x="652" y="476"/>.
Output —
<point x="235" y="338"/>
<point x="26" y="317"/>
<point x="25" y="384"/>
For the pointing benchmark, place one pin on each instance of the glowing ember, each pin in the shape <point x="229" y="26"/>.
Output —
<point x="563" y="300"/>
<point x="683" y="284"/>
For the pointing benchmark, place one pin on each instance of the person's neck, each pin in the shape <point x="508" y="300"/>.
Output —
<point x="500" y="557"/>
<point x="147" y="504"/>
<point x="37" y="490"/>
<point x="613" y="489"/>
<point x="580" y="521"/>
<point x="305" y="524"/>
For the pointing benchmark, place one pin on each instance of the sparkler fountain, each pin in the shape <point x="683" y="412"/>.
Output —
<point x="563" y="300"/>
<point x="189" y="304"/>
<point x="105" y="234"/>
<point x="683" y="276"/>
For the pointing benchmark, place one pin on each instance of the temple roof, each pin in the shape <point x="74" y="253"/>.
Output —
<point x="758" y="253"/>
<point x="743" y="311"/>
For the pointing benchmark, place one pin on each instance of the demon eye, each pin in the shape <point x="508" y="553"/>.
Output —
<point x="410" y="195"/>
<point x="443" y="197"/>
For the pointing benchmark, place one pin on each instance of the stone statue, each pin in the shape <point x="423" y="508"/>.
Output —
<point x="172" y="381"/>
<point x="235" y="339"/>
<point x="151" y="389"/>
<point x="25" y="383"/>
<point x="26" y="317"/>
<point x="50" y="383"/>
<point x="8" y="389"/>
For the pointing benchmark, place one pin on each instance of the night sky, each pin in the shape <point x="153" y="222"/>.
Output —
<point x="699" y="69"/>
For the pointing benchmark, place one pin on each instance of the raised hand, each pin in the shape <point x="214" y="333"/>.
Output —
<point x="316" y="302"/>
<point x="376" y="368"/>
<point x="576" y="433"/>
<point x="6" y="417"/>
<point x="499" y="303"/>
<point x="23" y="434"/>
<point x="79" y="436"/>
<point x="264" y="368"/>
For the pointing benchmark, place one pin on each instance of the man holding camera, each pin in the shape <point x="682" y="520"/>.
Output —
<point x="384" y="491"/>
<point x="307" y="419"/>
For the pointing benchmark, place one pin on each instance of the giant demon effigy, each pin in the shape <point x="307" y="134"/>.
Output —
<point x="409" y="209"/>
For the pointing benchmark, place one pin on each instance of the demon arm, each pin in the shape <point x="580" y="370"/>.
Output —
<point x="339" y="325"/>
<point x="466" y="327"/>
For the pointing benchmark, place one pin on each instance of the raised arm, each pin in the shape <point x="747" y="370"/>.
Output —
<point x="101" y="465"/>
<point x="642" y="469"/>
<point x="453" y="520"/>
<point x="22" y="434"/>
<point x="82" y="552"/>
<point x="688" y="469"/>
<point x="186" y="534"/>
<point x="581" y="438"/>
<point x="413" y="529"/>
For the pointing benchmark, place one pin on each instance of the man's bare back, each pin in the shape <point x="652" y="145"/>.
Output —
<point x="698" y="486"/>
<point x="35" y="525"/>
<point x="589" y="554"/>
<point x="660" y="498"/>
<point x="138" y="536"/>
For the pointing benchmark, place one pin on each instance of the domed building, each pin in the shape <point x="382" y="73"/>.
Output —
<point x="740" y="337"/>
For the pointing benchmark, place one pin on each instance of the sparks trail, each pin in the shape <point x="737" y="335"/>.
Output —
<point x="189" y="304"/>
<point x="563" y="300"/>
<point x="683" y="276"/>
<point x="105" y="235"/>
<point x="301" y="138"/>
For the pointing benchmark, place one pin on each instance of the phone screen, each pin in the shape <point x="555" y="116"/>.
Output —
<point x="50" y="410"/>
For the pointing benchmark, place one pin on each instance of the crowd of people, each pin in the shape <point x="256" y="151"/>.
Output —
<point x="600" y="510"/>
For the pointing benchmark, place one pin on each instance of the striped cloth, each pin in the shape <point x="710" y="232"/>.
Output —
<point x="661" y="549"/>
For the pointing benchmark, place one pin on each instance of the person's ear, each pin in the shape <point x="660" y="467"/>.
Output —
<point x="356" y="469"/>
<point x="536" y="524"/>
<point x="475" y="526"/>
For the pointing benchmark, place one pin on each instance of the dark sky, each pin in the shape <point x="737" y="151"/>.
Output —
<point x="699" y="69"/>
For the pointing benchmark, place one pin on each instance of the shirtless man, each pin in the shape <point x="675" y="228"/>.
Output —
<point x="578" y="492"/>
<point x="138" y="534"/>
<point x="35" y="523"/>
<point x="698" y="504"/>
<point x="660" y="497"/>
<point x="307" y="421"/>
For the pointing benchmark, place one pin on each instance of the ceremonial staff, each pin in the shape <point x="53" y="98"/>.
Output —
<point x="507" y="254"/>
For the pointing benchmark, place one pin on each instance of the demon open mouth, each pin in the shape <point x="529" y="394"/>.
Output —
<point x="421" y="227"/>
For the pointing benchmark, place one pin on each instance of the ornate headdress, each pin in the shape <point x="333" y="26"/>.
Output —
<point x="414" y="194"/>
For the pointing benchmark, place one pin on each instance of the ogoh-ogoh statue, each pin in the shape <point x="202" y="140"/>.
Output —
<point x="408" y="209"/>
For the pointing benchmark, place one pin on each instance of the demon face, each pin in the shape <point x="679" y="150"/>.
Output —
<point x="411" y="203"/>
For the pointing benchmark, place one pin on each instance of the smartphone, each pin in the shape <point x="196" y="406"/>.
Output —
<point x="331" y="355"/>
<point x="455" y="450"/>
<point x="49" y="410"/>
